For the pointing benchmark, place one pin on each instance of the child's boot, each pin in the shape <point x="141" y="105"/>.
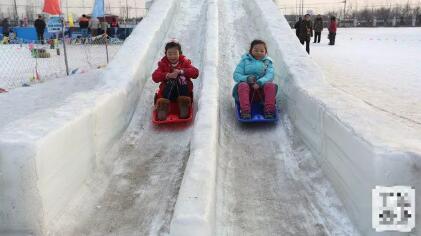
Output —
<point x="184" y="103"/>
<point x="162" y="108"/>
<point x="270" y="97"/>
<point x="243" y="97"/>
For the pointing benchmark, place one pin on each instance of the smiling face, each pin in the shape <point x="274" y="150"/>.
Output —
<point x="173" y="54"/>
<point x="258" y="51"/>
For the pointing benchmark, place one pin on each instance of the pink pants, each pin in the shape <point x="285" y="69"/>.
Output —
<point x="267" y="93"/>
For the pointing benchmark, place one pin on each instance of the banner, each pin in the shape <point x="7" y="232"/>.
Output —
<point x="54" y="24"/>
<point x="71" y="21"/>
<point x="52" y="7"/>
<point x="98" y="9"/>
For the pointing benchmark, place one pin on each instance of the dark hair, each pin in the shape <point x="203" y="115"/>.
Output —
<point x="83" y="15"/>
<point x="256" y="42"/>
<point x="332" y="18"/>
<point x="173" y="45"/>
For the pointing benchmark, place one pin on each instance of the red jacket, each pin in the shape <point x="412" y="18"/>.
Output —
<point x="332" y="27"/>
<point x="164" y="67"/>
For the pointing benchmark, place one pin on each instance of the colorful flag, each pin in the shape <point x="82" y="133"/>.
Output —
<point x="71" y="21"/>
<point x="98" y="9"/>
<point x="52" y="7"/>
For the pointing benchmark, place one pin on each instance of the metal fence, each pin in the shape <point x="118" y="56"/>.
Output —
<point x="23" y="63"/>
<point x="368" y="22"/>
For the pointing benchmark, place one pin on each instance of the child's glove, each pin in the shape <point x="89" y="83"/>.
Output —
<point x="172" y="75"/>
<point x="251" y="79"/>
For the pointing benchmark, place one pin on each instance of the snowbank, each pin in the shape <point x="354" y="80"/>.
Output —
<point x="194" y="212"/>
<point x="357" y="146"/>
<point x="46" y="156"/>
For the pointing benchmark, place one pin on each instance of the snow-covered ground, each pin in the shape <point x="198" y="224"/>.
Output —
<point x="17" y="66"/>
<point x="380" y="66"/>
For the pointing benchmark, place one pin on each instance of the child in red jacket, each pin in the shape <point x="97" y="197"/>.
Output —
<point x="174" y="73"/>
<point x="332" y="30"/>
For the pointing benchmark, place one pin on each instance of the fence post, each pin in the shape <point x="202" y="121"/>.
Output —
<point x="355" y="22"/>
<point x="64" y="46"/>
<point x="394" y="21"/>
<point x="374" y="21"/>
<point x="414" y="20"/>
<point x="106" y="45"/>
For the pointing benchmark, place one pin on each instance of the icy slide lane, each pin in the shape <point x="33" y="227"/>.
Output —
<point x="267" y="182"/>
<point x="147" y="165"/>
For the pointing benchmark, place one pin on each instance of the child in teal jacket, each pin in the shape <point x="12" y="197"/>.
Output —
<point x="254" y="75"/>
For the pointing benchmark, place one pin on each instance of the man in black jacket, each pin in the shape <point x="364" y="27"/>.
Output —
<point x="40" y="28"/>
<point x="6" y="27"/>
<point x="306" y="32"/>
<point x="297" y="27"/>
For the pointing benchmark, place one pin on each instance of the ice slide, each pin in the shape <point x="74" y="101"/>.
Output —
<point x="260" y="188"/>
<point x="148" y="162"/>
<point x="213" y="177"/>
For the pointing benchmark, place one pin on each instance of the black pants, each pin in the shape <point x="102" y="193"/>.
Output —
<point x="307" y="41"/>
<point x="40" y="36"/>
<point x="173" y="89"/>
<point x="332" y="37"/>
<point x="317" y="36"/>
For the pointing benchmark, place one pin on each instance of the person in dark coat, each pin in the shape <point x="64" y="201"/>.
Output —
<point x="84" y="26"/>
<point x="40" y="28"/>
<point x="332" y="30"/>
<point x="6" y="27"/>
<point x="114" y="25"/>
<point x="318" y="28"/>
<point x="297" y="27"/>
<point x="306" y="32"/>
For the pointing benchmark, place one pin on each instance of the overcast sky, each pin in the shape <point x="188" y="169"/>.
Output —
<point x="118" y="6"/>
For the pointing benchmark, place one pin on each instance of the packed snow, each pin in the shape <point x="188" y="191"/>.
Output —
<point x="380" y="66"/>
<point x="146" y="167"/>
<point x="265" y="179"/>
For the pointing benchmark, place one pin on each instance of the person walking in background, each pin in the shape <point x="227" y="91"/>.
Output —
<point x="104" y="26"/>
<point x="6" y="27"/>
<point x="297" y="27"/>
<point x="94" y="25"/>
<point x="332" y="30"/>
<point x="84" y="25"/>
<point x="40" y="28"/>
<point x="114" y="26"/>
<point x="306" y="32"/>
<point x="318" y="28"/>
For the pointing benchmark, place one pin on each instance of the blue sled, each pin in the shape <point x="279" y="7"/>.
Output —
<point x="256" y="114"/>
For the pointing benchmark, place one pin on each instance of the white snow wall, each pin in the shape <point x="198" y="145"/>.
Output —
<point x="194" y="212"/>
<point x="324" y="118"/>
<point x="42" y="165"/>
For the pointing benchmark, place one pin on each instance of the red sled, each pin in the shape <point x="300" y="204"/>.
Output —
<point x="172" y="116"/>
